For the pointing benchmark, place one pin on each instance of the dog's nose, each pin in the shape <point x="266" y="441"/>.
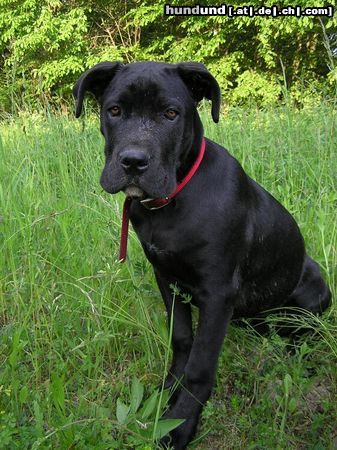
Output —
<point x="134" y="161"/>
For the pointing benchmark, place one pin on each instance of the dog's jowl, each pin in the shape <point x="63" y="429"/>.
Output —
<point x="222" y="238"/>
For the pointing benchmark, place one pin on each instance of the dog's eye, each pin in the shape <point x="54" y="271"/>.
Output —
<point x="170" y="114"/>
<point x="115" y="111"/>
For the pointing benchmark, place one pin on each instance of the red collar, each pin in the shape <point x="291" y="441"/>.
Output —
<point x="155" y="203"/>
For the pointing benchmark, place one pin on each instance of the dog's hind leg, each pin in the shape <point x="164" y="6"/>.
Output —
<point x="311" y="292"/>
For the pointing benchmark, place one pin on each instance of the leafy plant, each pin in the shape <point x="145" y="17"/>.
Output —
<point x="141" y="420"/>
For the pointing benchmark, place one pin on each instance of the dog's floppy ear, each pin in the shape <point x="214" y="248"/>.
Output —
<point x="201" y="84"/>
<point x="94" y="80"/>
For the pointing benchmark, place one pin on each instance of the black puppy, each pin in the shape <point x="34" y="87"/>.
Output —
<point x="223" y="239"/>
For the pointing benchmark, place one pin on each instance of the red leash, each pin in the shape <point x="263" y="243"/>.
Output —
<point x="155" y="203"/>
<point x="125" y="229"/>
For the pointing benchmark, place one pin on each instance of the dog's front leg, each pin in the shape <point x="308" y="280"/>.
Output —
<point x="215" y="314"/>
<point x="182" y="335"/>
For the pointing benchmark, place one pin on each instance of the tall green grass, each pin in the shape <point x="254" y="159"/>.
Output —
<point x="78" y="328"/>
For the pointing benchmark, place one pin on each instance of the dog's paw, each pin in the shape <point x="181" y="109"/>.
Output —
<point x="166" y="442"/>
<point x="175" y="441"/>
<point x="170" y="443"/>
<point x="178" y="438"/>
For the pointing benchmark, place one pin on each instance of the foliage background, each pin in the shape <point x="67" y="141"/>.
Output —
<point x="46" y="44"/>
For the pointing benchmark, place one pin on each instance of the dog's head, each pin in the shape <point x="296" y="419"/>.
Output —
<point x="149" y="121"/>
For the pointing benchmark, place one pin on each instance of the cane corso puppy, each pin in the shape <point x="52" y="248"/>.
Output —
<point x="222" y="239"/>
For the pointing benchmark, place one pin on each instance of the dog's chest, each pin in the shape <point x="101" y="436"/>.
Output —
<point x="166" y="242"/>
<point x="160" y="242"/>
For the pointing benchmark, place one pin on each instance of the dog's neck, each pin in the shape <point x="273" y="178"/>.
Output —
<point x="192" y="148"/>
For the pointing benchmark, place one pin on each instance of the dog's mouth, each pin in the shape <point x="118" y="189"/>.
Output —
<point x="134" y="192"/>
<point x="143" y="190"/>
<point x="138" y="189"/>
